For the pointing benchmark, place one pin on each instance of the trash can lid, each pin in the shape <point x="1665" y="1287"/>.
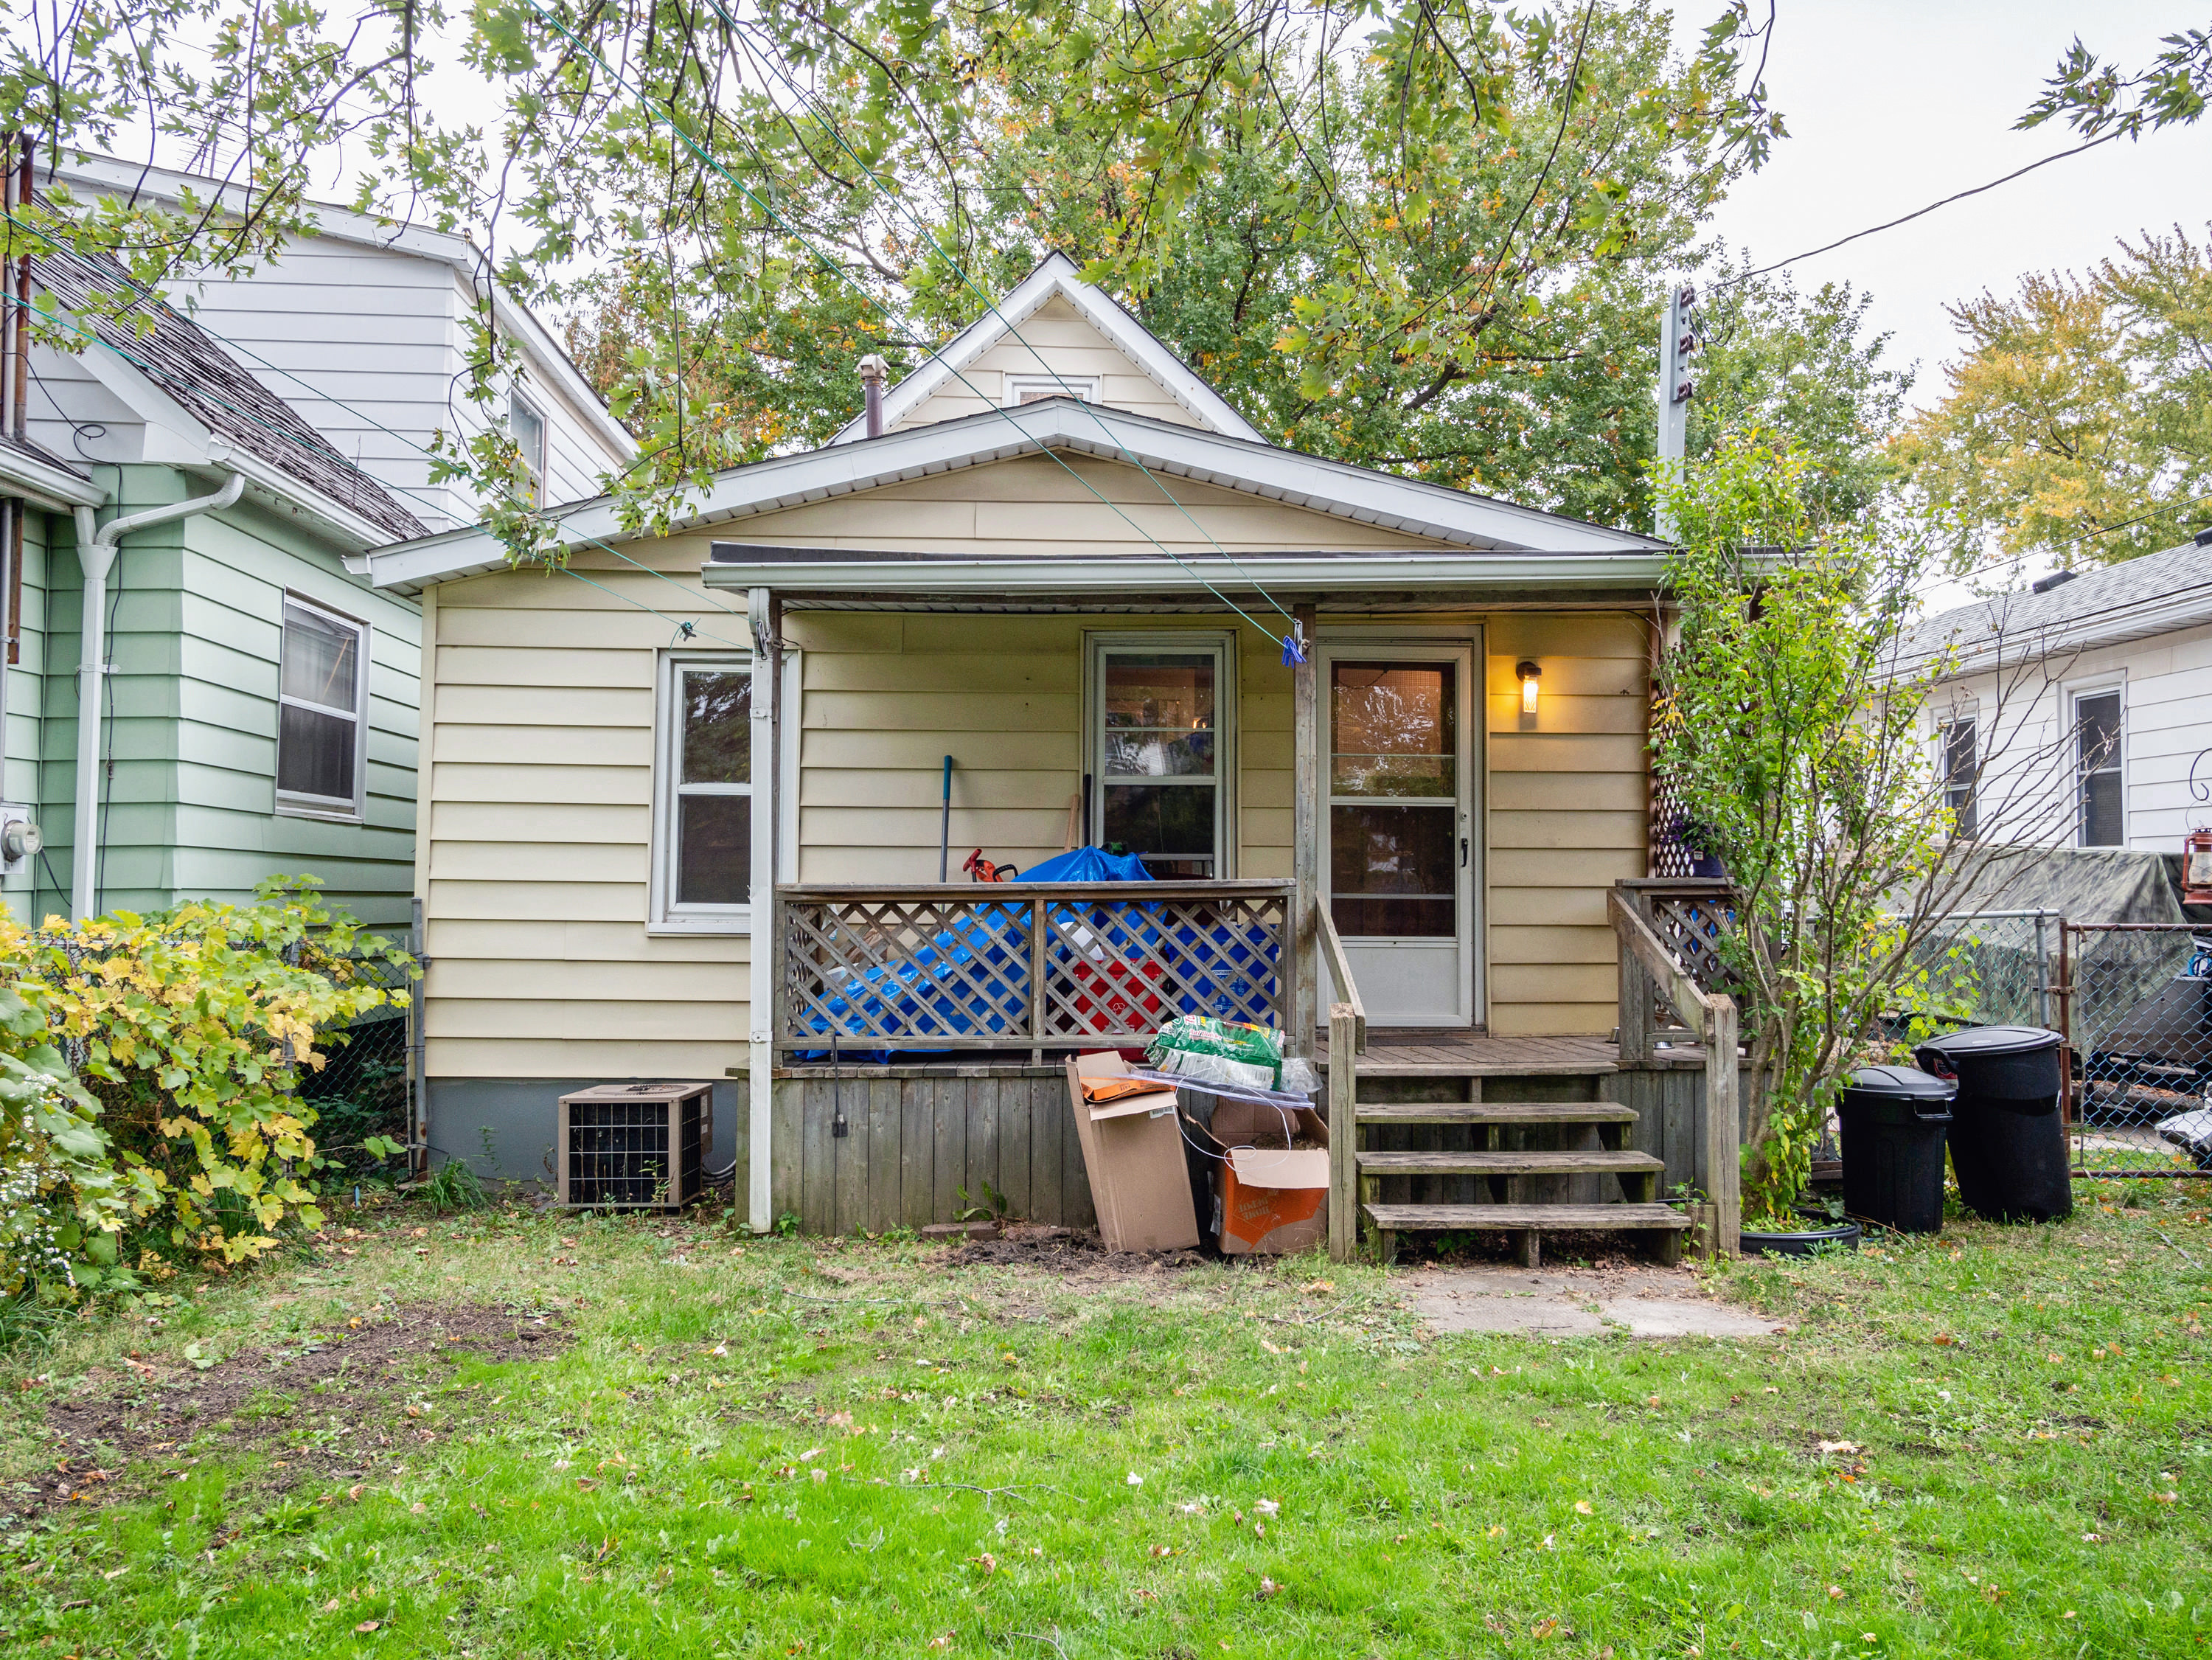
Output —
<point x="1992" y="1040"/>
<point x="1901" y="1082"/>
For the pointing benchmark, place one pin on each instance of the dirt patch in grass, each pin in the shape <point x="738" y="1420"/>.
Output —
<point x="319" y="1401"/>
<point x="1066" y="1251"/>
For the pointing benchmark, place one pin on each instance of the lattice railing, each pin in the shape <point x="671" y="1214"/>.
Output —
<point x="1690" y="916"/>
<point x="992" y="965"/>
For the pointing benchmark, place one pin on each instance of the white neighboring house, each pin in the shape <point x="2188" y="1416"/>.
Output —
<point x="361" y="327"/>
<point x="2074" y="713"/>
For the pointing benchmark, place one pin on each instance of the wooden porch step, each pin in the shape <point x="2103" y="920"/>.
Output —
<point x="1508" y="1164"/>
<point x="1529" y="1223"/>
<point x="1377" y="1063"/>
<point x="1515" y="1218"/>
<point x="1509" y="1113"/>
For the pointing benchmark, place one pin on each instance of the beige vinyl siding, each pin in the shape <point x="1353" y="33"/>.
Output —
<point x="1048" y="506"/>
<point x="1568" y="798"/>
<point x="1065" y="344"/>
<point x="537" y="832"/>
<point x="888" y="696"/>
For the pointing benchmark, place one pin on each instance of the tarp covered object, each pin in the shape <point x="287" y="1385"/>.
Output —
<point x="1097" y="962"/>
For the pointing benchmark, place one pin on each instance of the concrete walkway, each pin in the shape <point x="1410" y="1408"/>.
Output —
<point x="1643" y="1302"/>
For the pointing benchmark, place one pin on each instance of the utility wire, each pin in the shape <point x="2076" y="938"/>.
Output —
<point x="991" y="305"/>
<point x="1827" y="247"/>
<point x="666" y="118"/>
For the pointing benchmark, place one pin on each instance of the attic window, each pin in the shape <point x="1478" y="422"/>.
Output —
<point x="528" y="428"/>
<point x="1036" y="388"/>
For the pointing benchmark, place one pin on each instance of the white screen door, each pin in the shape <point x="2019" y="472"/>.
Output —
<point x="1398" y="853"/>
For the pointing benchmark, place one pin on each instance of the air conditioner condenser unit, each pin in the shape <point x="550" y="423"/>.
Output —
<point x="634" y="1146"/>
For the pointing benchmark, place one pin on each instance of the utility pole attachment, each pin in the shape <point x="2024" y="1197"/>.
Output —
<point x="1678" y="338"/>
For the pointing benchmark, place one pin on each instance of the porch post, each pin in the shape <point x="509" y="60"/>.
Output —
<point x="760" y="1065"/>
<point x="1305" y="840"/>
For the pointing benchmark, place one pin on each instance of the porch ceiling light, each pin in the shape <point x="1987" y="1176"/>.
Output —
<point x="1529" y="674"/>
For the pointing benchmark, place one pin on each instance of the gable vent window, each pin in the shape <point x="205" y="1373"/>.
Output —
<point x="528" y="428"/>
<point x="1036" y="388"/>
<point x="322" y="712"/>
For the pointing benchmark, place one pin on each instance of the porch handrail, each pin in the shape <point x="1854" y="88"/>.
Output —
<point x="1340" y="976"/>
<point x="1347" y="1040"/>
<point x="1712" y="1016"/>
<point x="967" y="965"/>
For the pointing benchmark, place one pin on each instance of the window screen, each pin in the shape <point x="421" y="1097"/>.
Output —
<point x="320" y="709"/>
<point x="710" y="816"/>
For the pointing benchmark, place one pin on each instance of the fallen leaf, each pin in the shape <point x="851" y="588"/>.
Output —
<point x="987" y="1562"/>
<point x="368" y="1624"/>
<point x="809" y="1454"/>
<point x="331" y="1606"/>
<point x="941" y="1643"/>
<point x="1544" y="1627"/>
<point x="1835" y="1590"/>
<point x="1584" y="1507"/>
<point x="1135" y="1479"/>
<point x="1266" y="1506"/>
<point x="840" y="1420"/>
<point x="1838" y="1446"/>
<point x="1268" y="1588"/>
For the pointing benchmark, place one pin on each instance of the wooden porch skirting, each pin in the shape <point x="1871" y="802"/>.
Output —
<point x="918" y="1135"/>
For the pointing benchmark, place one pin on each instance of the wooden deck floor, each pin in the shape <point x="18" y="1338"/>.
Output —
<point x="1415" y="1051"/>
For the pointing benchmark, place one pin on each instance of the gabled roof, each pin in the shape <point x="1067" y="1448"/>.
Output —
<point x="2156" y="593"/>
<point x="1357" y="494"/>
<point x="127" y="179"/>
<point x="1056" y="278"/>
<point x="213" y="388"/>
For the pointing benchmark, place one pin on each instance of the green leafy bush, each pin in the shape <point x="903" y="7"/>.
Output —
<point x="190" y="1031"/>
<point x="59" y="1197"/>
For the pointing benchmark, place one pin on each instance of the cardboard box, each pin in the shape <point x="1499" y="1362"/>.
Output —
<point x="1269" y="1199"/>
<point x="1133" y="1152"/>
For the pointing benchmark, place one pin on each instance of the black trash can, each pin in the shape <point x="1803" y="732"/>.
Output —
<point x="1894" y="1119"/>
<point x="2007" y="1140"/>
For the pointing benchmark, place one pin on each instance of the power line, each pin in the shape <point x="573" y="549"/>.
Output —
<point x="666" y="118"/>
<point x="1827" y="247"/>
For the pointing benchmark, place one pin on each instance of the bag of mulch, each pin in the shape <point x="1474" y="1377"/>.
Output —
<point x="1206" y="1050"/>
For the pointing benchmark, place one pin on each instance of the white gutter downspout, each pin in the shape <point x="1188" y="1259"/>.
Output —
<point x="95" y="552"/>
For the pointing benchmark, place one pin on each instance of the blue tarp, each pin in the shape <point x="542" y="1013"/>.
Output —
<point x="990" y="946"/>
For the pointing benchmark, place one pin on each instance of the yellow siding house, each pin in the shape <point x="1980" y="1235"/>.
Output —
<point x="1064" y="562"/>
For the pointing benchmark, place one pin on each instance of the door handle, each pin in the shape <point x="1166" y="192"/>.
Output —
<point x="1462" y="853"/>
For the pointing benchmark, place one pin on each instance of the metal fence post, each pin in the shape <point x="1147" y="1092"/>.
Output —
<point x="2042" y="975"/>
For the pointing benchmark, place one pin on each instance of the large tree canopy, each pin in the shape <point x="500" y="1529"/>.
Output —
<point x="2078" y="424"/>
<point x="1425" y="234"/>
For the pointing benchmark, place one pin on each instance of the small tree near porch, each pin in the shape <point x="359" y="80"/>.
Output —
<point x="1796" y="746"/>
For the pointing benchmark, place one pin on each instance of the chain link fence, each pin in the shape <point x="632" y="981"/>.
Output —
<point x="369" y="1084"/>
<point x="2137" y="1018"/>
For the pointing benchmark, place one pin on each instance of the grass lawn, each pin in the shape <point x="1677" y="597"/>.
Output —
<point x="504" y="1434"/>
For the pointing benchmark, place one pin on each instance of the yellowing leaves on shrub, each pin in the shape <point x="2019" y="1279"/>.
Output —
<point x="191" y="1029"/>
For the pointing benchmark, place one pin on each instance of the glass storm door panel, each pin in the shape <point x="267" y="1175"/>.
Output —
<point x="1400" y="856"/>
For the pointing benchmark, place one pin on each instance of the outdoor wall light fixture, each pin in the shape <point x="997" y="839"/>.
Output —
<point x="1529" y="674"/>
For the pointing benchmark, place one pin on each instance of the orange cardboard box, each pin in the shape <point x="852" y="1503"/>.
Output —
<point x="1133" y="1153"/>
<point x="1269" y="1200"/>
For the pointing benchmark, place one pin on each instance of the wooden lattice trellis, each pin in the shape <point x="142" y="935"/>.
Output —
<point x="997" y="966"/>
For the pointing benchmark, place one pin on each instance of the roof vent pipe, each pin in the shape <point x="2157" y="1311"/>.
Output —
<point x="95" y="552"/>
<point x="2058" y="578"/>
<point x="873" y="370"/>
<point x="2203" y="538"/>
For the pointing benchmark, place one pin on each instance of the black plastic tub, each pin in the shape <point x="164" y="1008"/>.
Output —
<point x="1761" y="1241"/>
<point x="1893" y="1124"/>
<point x="2008" y="1137"/>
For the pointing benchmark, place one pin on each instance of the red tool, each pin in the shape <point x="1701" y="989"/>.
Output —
<point x="983" y="870"/>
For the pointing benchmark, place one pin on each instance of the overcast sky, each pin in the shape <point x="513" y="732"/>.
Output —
<point x="1891" y="104"/>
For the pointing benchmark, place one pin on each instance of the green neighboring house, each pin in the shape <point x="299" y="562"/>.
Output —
<point x="258" y="713"/>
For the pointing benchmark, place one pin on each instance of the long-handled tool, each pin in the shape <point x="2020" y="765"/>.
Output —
<point x="945" y="824"/>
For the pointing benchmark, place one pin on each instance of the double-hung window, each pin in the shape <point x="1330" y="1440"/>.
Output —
<point x="322" y="714"/>
<point x="1961" y="771"/>
<point x="2098" y="771"/>
<point x="1160" y="723"/>
<point x="702" y="811"/>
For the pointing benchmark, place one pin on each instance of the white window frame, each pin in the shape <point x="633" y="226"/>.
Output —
<point x="1021" y="386"/>
<point x="666" y="915"/>
<point x="1221" y="644"/>
<point x="296" y="804"/>
<point x="533" y="465"/>
<point x="1959" y="715"/>
<point x="2106" y="685"/>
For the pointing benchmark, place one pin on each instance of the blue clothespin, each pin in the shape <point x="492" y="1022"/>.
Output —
<point x="1294" y="646"/>
<point x="685" y="630"/>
